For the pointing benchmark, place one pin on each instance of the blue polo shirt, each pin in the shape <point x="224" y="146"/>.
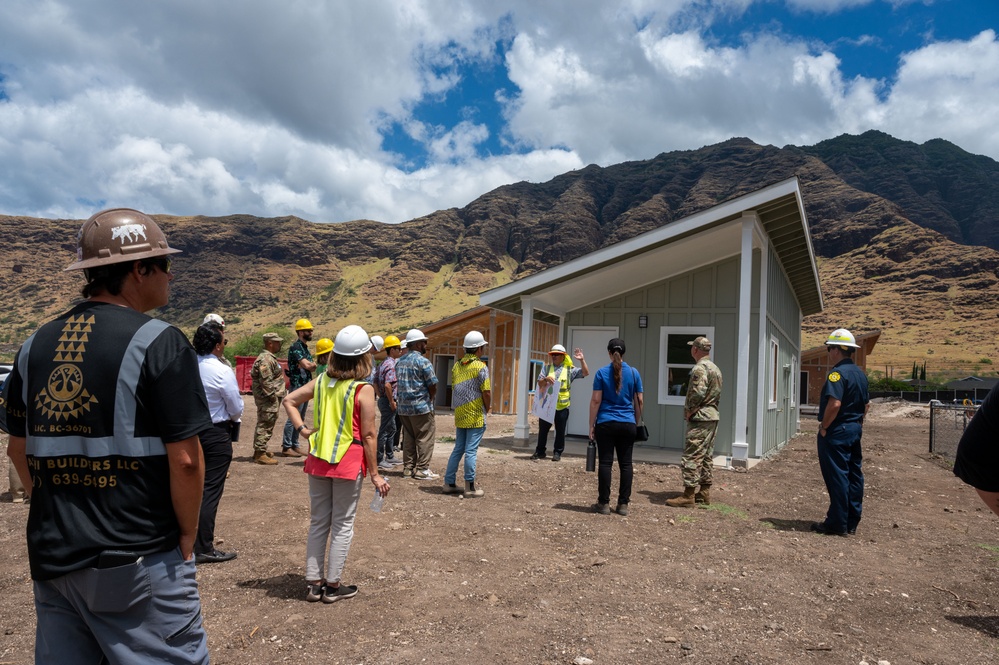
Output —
<point x="847" y="383"/>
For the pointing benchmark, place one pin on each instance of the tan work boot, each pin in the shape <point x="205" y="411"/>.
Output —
<point x="471" y="490"/>
<point x="261" y="457"/>
<point x="704" y="495"/>
<point x="684" y="501"/>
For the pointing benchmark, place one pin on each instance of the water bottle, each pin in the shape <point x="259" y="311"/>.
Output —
<point x="376" y="503"/>
<point x="591" y="455"/>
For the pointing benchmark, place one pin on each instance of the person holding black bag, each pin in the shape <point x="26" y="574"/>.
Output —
<point x="615" y="411"/>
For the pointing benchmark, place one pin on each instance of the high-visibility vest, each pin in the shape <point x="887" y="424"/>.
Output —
<point x="334" y="415"/>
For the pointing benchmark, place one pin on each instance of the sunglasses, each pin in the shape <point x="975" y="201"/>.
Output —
<point x="164" y="263"/>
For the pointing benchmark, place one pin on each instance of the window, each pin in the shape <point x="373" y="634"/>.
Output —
<point x="793" y="390"/>
<point x="675" y="361"/>
<point x="532" y="375"/>
<point x="774" y="373"/>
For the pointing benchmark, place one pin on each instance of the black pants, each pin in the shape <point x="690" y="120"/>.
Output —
<point x="614" y="437"/>
<point x="217" y="448"/>
<point x="561" y="422"/>
<point x="398" y="432"/>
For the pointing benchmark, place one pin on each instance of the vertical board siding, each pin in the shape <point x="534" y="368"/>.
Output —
<point x="707" y="297"/>
<point x="783" y="324"/>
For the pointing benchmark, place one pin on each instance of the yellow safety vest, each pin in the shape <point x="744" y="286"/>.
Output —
<point x="563" y="387"/>
<point x="334" y="414"/>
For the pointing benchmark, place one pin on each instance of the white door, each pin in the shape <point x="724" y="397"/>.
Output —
<point x="593" y="341"/>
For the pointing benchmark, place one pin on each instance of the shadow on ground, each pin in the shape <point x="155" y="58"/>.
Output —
<point x="989" y="625"/>
<point x="281" y="586"/>
<point x="787" y="525"/>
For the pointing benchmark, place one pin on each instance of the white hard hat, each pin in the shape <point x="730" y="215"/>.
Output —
<point x="474" y="340"/>
<point x="842" y="337"/>
<point x="415" y="335"/>
<point x="351" y="341"/>
<point x="214" y="318"/>
<point x="558" y="348"/>
<point x="378" y="342"/>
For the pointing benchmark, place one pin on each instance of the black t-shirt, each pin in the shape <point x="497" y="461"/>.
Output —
<point x="99" y="393"/>
<point x="977" y="460"/>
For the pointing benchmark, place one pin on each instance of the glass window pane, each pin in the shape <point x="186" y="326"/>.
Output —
<point x="677" y="349"/>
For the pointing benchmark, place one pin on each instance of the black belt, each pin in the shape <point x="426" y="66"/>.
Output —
<point x="225" y="424"/>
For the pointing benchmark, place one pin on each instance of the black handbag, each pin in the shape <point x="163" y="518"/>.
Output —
<point x="641" y="431"/>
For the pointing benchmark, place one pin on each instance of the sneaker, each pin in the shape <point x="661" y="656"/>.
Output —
<point x="425" y="474"/>
<point x="393" y="461"/>
<point x="556" y="457"/>
<point x="452" y="489"/>
<point x="342" y="592"/>
<point x="314" y="592"/>
<point x="538" y="456"/>
<point x="602" y="508"/>
<point x="472" y="490"/>
<point x="622" y="509"/>
<point x="385" y="465"/>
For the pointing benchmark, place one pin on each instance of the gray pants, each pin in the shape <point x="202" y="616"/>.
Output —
<point x="142" y="612"/>
<point x="334" y="505"/>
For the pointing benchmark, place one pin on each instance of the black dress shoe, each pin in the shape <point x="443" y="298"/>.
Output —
<point x="820" y="527"/>
<point x="215" y="556"/>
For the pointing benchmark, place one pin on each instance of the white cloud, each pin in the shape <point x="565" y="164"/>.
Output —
<point x="252" y="106"/>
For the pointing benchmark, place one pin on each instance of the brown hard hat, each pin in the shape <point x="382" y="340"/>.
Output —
<point x="117" y="236"/>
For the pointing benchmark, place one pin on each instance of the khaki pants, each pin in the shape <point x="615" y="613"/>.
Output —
<point x="267" y="413"/>
<point x="16" y="488"/>
<point x="418" y="434"/>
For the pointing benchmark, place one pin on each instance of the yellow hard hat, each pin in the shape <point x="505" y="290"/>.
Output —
<point x="303" y="324"/>
<point x="325" y="345"/>
<point x="391" y="341"/>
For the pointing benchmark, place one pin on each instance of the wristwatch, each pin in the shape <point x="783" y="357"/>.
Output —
<point x="298" y="430"/>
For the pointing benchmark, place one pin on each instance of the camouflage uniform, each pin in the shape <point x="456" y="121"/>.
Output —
<point x="268" y="390"/>
<point x="701" y="409"/>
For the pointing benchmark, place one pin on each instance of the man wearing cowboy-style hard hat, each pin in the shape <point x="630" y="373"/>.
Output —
<point x="842" y="407"/>
<point x="115" y="479"/>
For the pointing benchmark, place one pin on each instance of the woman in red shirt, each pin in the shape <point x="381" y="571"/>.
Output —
<point x="338" y="459"/>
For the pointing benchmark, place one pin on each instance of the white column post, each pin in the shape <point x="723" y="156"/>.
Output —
<point x="740" y="443"/>
<point x="522" y="429"/>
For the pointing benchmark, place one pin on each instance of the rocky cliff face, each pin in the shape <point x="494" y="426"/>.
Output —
<point x="903" y="233"/>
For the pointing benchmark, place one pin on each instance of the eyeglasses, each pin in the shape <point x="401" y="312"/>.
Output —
<point x="164" y="263"/>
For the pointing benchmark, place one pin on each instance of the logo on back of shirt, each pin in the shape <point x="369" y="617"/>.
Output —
<point x="64" y="395"/>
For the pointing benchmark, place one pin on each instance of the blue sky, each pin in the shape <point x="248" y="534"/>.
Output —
<point x="389" y="110"/>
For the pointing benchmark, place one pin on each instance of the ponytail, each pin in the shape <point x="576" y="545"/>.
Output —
<point x="616" y="348"/>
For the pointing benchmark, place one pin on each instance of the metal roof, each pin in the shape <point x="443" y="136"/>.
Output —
<point x="673" y="249"/>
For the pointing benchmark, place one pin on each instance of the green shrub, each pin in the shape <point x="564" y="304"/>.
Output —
<point x="252" y="345"/>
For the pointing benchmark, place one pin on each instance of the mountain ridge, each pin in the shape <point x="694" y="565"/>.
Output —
<point x="892" y="224"/>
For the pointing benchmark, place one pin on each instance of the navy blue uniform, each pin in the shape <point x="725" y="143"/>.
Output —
<point x="840" y="456"/>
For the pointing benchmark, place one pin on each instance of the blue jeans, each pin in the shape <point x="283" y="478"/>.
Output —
<point x="386" y="430"/>
<point x="142" y="612"/>
<point x="840" y="459"/>
<point x="466" y="442"/>
<point x="290" y="439"/>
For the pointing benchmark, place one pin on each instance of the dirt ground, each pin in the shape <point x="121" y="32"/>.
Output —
<point x="528" y="574"/>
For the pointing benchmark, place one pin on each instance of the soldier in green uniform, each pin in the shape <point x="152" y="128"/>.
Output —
<point x="268" y="391"/>
<point x="701" y="413"/>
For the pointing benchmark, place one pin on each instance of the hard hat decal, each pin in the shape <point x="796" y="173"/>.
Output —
<point x="130" y="232"/>
<point x="834" y="377"/>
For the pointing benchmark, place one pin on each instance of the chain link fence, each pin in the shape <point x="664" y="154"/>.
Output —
<point x="947" y="425"/>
